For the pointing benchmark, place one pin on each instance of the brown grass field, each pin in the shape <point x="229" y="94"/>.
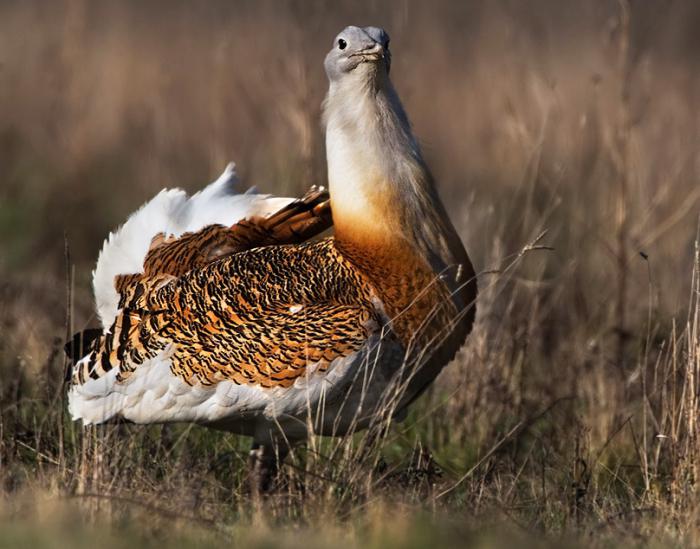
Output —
<point x="572" y="416"/>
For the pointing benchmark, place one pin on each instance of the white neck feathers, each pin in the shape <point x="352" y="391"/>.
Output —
<point x="378" y="180"/>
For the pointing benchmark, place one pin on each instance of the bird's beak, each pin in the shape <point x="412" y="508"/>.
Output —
<point x="375" y="53"/>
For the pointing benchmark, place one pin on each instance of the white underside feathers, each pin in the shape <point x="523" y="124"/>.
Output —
<point x="152" y="394"/>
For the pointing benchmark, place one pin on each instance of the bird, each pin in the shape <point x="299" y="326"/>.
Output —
<point x="228" y="310"/>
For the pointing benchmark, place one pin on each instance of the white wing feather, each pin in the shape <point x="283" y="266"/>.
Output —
<point x="171" y="212"/>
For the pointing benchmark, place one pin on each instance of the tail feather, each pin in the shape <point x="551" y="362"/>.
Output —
<point x="80" y="345"/>
<point x="296" y="222"/>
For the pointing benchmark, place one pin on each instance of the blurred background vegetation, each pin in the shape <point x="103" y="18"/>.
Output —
<point x="573" y="409"/>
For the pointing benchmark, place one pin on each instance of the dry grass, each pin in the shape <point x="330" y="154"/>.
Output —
<point x="572" y="414"/>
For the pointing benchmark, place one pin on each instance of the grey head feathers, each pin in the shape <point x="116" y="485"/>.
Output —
<point x="358" y="48"/>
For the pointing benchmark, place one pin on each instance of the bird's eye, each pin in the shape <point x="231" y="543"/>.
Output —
<point x="341" y="44"/>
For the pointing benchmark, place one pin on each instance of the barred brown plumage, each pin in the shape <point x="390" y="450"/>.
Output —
<point x="255" y="338"/>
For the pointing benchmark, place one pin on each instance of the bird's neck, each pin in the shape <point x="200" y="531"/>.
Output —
<point x="387" y="215"/>
<point x="377" y="178"/>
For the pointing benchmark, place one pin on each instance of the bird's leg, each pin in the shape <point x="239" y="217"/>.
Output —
<point x="263" y="463"/>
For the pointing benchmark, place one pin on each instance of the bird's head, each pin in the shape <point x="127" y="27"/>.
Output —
<point x="359" y="51"/>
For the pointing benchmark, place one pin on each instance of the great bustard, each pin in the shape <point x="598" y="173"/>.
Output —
<point x="215" y="312"/>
